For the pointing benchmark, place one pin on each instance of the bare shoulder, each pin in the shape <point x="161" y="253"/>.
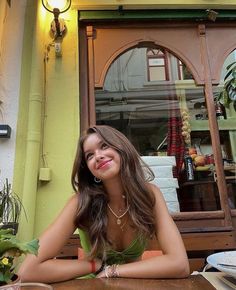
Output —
<point x="71" y="207"/>
<point x="73" y="200"/>
<point x="153" y="187"/>
<point x="155" y="191"/>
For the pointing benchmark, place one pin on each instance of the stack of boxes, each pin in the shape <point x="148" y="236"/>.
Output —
<point x="162" y="168"/>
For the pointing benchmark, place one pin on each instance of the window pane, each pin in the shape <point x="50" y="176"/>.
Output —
<point x="226" y="118"/>
<point x="157" y="74"/>
<point x="162" y="119"/>
<point x="156" y="61"/>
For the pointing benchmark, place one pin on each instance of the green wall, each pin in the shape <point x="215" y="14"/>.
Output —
<point x="48" y="122"/>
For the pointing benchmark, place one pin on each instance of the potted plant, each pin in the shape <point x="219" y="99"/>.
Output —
<point x="10" y="207"/>
<point x="228" y="93"/>
<point x="11" y="249"/>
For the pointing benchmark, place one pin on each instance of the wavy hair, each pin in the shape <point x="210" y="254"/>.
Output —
<point x="134" y="173"/>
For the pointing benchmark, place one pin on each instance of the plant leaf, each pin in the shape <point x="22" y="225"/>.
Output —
<point x="7" y="243"/>
<point x="229" y="66"/>
<point x="5" y="232"/>
<point x="234" y="73"/>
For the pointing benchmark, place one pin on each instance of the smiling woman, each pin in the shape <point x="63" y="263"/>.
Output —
<point x="123" y="201"/>
<point x="101" y="159"/>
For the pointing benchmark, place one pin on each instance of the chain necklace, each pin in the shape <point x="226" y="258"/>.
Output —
<point x="118" y="217"/>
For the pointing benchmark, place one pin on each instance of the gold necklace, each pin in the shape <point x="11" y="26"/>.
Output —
<point x="118" y="217"/>
<point x="122" y="226"/>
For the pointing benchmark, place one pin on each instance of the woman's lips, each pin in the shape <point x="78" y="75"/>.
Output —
<point x="103" y="164"/>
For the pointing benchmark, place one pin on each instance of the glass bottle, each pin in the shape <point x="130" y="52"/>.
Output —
<point x="219" y="111"/>
<point x="188" y="164"/>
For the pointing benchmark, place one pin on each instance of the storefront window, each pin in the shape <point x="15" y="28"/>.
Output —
<point x="164" y="115"/>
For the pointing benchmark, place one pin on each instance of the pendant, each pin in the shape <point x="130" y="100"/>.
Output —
<point x="118" y="221"/>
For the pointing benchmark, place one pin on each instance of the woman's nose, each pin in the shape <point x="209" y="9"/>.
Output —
<point x="99" y="155"/>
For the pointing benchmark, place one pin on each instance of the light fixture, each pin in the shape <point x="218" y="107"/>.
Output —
<point x="5" y="131"/>
<point x="211" y="14"/>
<point x="57" y="7"/>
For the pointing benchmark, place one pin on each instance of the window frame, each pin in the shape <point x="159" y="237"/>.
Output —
<point x="222" y="218"/>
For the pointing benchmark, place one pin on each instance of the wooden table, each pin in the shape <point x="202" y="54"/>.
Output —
<point x="195" y="282"/>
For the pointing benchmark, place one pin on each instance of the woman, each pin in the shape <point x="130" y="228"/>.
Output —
<point x="117" y="211"/>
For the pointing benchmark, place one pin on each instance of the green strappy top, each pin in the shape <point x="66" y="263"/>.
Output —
<point x="131" y="253"/>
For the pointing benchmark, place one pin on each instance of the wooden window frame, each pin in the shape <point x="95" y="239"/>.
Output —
<point x="164" y="57"/>
<point x="205" y="72"/>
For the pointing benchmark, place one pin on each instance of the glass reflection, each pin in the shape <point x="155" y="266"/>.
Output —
<point x="226" y="118"/>
<point x="150" y="95"/>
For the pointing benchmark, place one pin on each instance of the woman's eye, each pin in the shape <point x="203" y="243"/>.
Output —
<point x="89" y="156"/>
<point x="104" y="146"/>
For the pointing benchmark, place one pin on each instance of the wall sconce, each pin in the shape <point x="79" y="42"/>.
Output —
<point x="58" y="27"/>
<point x="5" y="131"/>
<point x="211" y="14"/>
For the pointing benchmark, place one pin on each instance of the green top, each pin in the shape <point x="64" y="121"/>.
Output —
<point x="131" y="253"/>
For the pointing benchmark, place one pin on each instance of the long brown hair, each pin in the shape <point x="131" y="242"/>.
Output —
<point x="92" y="211"/>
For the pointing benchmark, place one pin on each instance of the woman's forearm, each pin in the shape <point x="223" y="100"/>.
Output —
<point x="157" y="267"/>
<point x="54" y="270"/>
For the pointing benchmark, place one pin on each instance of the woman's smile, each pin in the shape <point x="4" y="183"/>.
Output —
<point x="104" y="164"/>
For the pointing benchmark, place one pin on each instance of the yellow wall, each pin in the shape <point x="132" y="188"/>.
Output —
<point x="58" y="108"/>
<point x="61" y="124"/>
<point x="154" y="4"/>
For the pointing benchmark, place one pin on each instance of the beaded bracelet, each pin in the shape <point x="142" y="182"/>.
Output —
<point x="114" y="271"/>
<point x="93" y="266"/>
<point x="106" y="270"/>
<point x="111" y="271"/>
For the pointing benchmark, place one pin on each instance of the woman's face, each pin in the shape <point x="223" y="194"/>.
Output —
<point x="102" y="160"/>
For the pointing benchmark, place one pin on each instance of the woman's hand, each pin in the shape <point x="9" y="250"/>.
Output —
<point x="101" y="275"/>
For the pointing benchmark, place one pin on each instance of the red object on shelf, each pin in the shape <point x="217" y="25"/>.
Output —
<point x="209" y="159"/>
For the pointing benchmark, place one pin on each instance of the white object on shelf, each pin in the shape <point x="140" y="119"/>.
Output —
<point x="170" y="194"/>
<point x="162" y="169"/>
<point x="159" y="160"/>
<point x="173" y="206"/>
<point x="166" y="182"/>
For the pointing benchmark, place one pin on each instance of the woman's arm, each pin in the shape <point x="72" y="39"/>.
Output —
<point x="44" y="267"/>
<point x="174" y="262"/>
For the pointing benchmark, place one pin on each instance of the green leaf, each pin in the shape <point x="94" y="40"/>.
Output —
<point x="29" y="247"/>
<point x="10" y="204"/>
<point x="230" y="65"/>
<point x="10" y="242"/>
<point x="227" y="75"/>
<point x="5" y="232"/>
<point x="228" y="83"/>
<point x="234" y="74"/>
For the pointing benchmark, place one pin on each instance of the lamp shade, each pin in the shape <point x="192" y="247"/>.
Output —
<point x="62" y="5"/>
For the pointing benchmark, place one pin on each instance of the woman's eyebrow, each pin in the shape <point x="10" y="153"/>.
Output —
<point x="98" y="143"/>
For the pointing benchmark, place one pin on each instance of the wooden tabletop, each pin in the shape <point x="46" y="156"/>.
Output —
<point x="195" y="282"/>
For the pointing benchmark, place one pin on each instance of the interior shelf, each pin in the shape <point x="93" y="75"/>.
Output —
<point x="202" y="125"/>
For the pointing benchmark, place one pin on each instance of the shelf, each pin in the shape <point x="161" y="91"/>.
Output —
<point x="197" y="182"/>
<point x="202" y="125"/>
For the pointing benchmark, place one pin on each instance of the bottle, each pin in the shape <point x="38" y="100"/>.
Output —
<point x="219" y="111"/>
<point x="188" y="164"/>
